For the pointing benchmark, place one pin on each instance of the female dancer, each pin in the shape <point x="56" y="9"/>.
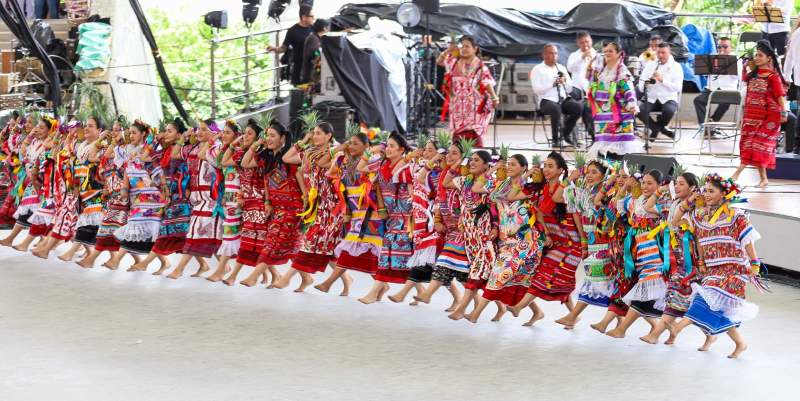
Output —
<point x="725" y="241"/>
<point x="425" y="238"/>
<point x="479" y="222"/>
<point x="23" y="193"/>
<point x="361" y="245"/>
<point x="451" y="263"/>
<point x="87" y="155"/>
<point x="469" y="90"/>
<point x="642" y="259"/>
<point x="612" y="99"/>
<point x="395" y="181"/>
<point x="272" y="202"/>
<point x="40" y="206"/>
<point x="322" y="227"/>
<point x="585" y="198"/>
<point x="682" y="254"/>
<point x="117" y="206"/>
<point x="173" y="173"/>
<point x="206" y="186"/>
<point x="141" y="182"/>
<point x="10" y="138"/>
<point x="63" y="187"/>
<point x="764" y="112"/>
<point x="12" y="149"/>
<point x="231" y="224"/>
<point x="519" y="244"/>
<point x="554" y="278"/>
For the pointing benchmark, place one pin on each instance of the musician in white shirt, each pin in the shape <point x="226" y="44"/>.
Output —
<point x="578" y="67"/>
<point x="778" y="32"/>
<point x="718" y="82"/>
<point x="552" y="84"/>
<point x="661" y="82"/>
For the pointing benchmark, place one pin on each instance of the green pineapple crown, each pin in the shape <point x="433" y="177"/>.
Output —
<point x="466" y="147"/>
<point x="310" y="119"/>
<point x="504" y="151"/>
<point x="580" y="159"/>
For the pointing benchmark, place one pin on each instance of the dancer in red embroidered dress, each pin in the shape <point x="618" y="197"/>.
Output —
<point x="272" y="202"/>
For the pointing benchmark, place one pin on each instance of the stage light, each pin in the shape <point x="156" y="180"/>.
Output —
<point x="276" y="8"/>
<point x="250" y="11"/>
<point x="217" y="19"/>
<point x="408" y="15"/>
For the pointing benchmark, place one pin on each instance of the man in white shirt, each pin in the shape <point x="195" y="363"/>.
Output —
<point x="778" y="32"/>
<point x="552" y="85"/>
<point x="715" y="83"/>
<point x="661" y="83"/>
<point x="578" y="65"/>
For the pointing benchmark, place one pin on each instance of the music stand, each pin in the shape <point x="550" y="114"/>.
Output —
<point x="767" y="14"/>
<point x="715" y="64"/>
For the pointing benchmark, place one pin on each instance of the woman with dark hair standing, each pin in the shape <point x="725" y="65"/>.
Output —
<point x="764" y="112"/>
<point x="232" y="221"/>
<point x="469" y="90"/>
<point x="393" y="175"/>
<point x="26" y="197"/>
<point x="554" y="278"/>
<point x="173" y="172"/>
<point x="272" y="202"/>
<point x="206" y="190"/>
<point x="612" y="99"/>
<point x="321" y="225"/>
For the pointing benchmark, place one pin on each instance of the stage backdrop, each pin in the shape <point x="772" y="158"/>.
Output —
<point x="521" y="35"/>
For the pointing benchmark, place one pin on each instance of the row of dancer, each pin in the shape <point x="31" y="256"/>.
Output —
<point x="508" y="230"/>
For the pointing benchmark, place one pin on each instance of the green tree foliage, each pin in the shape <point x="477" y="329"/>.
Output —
<point x="185" y="48"/>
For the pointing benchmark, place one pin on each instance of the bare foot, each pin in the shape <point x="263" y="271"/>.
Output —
<point x="161" y="270"/>
<point x="471" y="317"/>
<point x="599" y="327"/>
<point x="304" y="283"/>
<point x="137" y="268"/>
<point x="452" y="307"/>
<point x="567" y="321"/>
<point x="20" y="248"/>
<point x="427" y="300"/>
<point x="514" y="311"/>
<point x="175" y="275"/>
<point x="347" y="282"/>
<point x="323" y="287"/>
<point x="111" y="266"/>
<point x="670" y="340"/>
<point x="394" y="298"/>
<point x="738" y="351"/>
<point x="456" y="315"/>
<point x="275" y="279"/>
<point x="248" y="282"/>
<point x="230" y="281"/>
<point x="84" y="263"/>
<point x="66" y="257"/>
<point x="536" y="317"/>
<point x="616" y="333"/>
<point x="762" y="185"/>
<point x="366" y="301"/>
<point x="202" y="269"/>
<point x="500" y="313"/>
<point x="6" y="242"/>
<point x="649" y="338"/>
<point x="707" y="344"/>
<point x="214" y="278"/>
<point x="39" y="254"/>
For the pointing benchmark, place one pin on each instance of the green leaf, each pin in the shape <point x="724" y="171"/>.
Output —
<point x="443" y="138"/>
<point x="536" y="160"/>
<point x="504" y="151"/>
<point x="310" y="119"/>
<point x="580" y="158"/>
<point x="466" y="147"/>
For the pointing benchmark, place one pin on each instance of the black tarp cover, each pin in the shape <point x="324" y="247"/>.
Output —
<point x="362" y="80"/>
<point x="519" y="34"/>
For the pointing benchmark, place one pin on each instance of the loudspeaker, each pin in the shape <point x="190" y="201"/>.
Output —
<point x="662" y="164"/>
<point x="428" y="6"/>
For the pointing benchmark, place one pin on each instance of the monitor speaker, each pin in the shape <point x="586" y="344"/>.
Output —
<point x="428" y="6"/>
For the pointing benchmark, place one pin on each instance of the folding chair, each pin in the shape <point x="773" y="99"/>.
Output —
<point x="674" y="124"/>
<point x="540" y="119"/>
<point x="718" y="97"/>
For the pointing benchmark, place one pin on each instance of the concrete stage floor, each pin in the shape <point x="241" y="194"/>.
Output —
<point x="71" y="334"/>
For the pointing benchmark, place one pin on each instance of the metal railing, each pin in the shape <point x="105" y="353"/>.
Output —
<point x="250" y="70"/>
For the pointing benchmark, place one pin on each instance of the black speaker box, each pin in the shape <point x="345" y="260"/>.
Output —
<point x="428" y="6"/>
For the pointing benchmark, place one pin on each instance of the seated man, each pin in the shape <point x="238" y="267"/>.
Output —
<point x="552" y="85"/>
<point x="661" y="84"/>
<point x="715" y="83"/>
<point x="578" y="66"/>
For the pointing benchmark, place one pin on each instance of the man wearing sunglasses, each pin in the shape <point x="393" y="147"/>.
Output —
<point x="715" y="83"/>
